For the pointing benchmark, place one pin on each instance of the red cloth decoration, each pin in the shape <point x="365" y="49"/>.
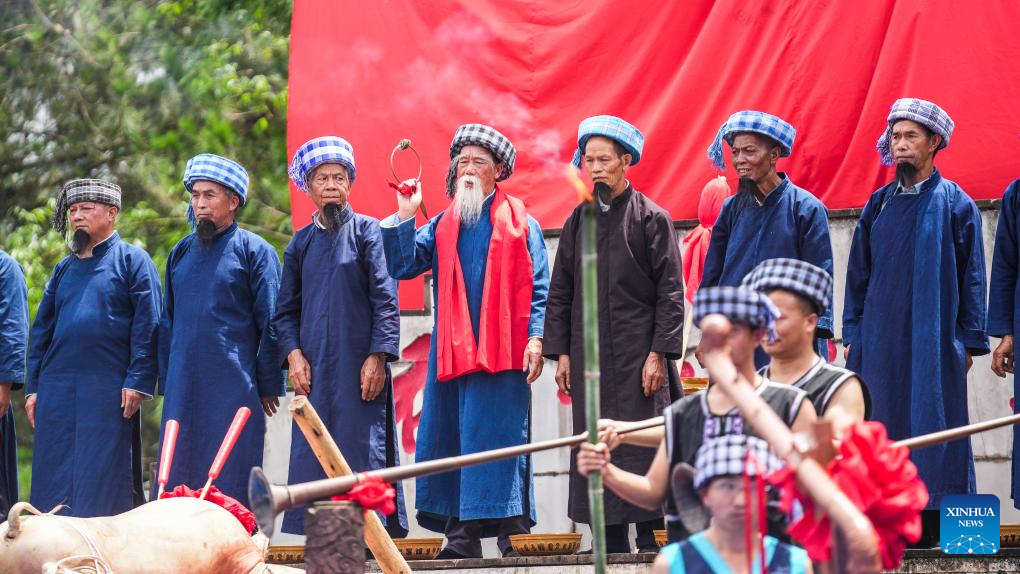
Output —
<point x="564" y="398"/>
<point x="879" y="479"/>
<point x="402" y="188"/>
<point x="506" y="295"/>
<point x="696" y="242"/>
<point x="372" y="493"/>
<point x="240" y="512"/>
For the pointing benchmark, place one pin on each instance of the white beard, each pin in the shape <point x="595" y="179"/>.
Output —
<point x="469" y="199"/>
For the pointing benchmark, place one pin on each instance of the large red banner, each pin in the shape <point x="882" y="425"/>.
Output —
<point x="377" y="72"/>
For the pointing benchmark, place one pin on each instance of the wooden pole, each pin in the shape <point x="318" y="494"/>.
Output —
<point x="940" y="437"/>
<point x="332" y="460"/>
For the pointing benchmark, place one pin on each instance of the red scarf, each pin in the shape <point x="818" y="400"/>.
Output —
<point x="696" y="242"/>
<point x="506" y="295"/>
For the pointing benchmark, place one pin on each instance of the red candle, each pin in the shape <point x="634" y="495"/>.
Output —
<point x="166" y="458"/>
<point x="228" y="441"/>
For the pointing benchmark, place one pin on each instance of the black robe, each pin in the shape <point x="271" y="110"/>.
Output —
<point x="641" y="309"/>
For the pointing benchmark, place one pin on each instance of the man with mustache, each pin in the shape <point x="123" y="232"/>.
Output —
<point x="92" y="361"/>
<point x="339" y="324"/>
<point x="488" y="258"/>
<point x="769" y="217"/>
<point x="13" y="341"/>
<point x="217" y="342"/>
<point x="914" y="312"/>
<point x="641" y="316"/>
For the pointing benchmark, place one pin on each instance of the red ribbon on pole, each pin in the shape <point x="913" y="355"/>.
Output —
<point x="240" y="418"/>
<point x="372" y="493"/>
<point x="166" y="457"/>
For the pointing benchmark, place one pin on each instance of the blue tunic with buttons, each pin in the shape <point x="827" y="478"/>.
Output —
<point x="218" y="353"/>
<point x="94" y="334"/>
<point x="13" y="340"/>
<point x="479" y="411"/>
<point x="915" y="304"/>
<point x="338" y="305"/>
<point x="790" y="222"/>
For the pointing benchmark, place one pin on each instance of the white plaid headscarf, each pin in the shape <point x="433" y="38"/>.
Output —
<point x="211" y="167"/>
<point x="739" y="305"/>
<point x="481" y="135"/>
<point x="613" y="128"/>
<point x="923" y="112"/>
<point x="727" y="456"/>
<point x="794" y="275"/>
<point x="78" y="190"/>
<point x="752" y="121"/>
<point x="315" y="152"/>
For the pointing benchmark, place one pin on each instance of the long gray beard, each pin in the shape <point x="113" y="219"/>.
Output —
<point x="468" y="200"/>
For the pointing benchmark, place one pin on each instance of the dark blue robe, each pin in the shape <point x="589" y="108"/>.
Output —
<point x="790" y="223"/>
<point x="217" y="353"/>
<point x="94" y="334"/>
<point x="475" y="412"/>
<point x="339" y="305"/>
<point x="1004" y="297"/>
<point x="915" y="302"/>
<point x="13" y="340"/>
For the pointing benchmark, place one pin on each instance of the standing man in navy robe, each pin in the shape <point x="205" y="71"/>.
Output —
<point x="339" y="325"/>
<point x="641" y="317"/>
<point x="914" y="312"/>
<point x="92" y="361"/>
<point x="491" y="272"/>
<point x="217" y="344"/>
<point x="769" y="217"/>
<point x="1004" y="305"/>
<point x="13" y="341"/>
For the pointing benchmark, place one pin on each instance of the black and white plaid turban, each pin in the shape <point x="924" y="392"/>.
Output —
<point x="739" y="305"/>
<point x="488" y="138"/>
<point x="727" y="455"/>
<point x="793" y="275"/>
<point x="78" y="190"/>
<point x="926" y="113"/>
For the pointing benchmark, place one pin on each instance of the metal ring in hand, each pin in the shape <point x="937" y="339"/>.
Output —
<point x="404" y="144"/>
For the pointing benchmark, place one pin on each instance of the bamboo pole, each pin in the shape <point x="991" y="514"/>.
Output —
<point x="592" y="402"/>
<point x="940" y="437"/>
<point x="332" y="460"/>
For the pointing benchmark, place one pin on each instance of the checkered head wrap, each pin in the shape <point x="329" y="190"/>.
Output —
<point x="79" y="190"/>
<point x="752" y="121"/>
<point x="794" y="275"/>
<point x="613" y="128"/>
<point x="325" y="149"/>
<point x="727" y="456"/>
<point x="488" y="138"/>
<point x="923" y="112"/>
<point x="210" y="167"/>
<point x="739" y="305"/>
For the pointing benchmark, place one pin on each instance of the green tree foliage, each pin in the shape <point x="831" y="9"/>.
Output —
<point x="129" y="90"/>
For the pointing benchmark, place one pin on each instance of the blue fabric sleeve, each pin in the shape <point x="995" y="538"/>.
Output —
<point x="166" y="318"/>
<point x="13" y="323"/>
<point x="540" y="284"/>
<point x="42" y="329"/>
<point x="382" y="294"/>
<point x="287" y="319"/>
<point x="264" y="275"/>
<point x="1002" y="286"/>
<point x="409" y="252"/>
<point x="144" y="290"/>
<point x="716" y="256"/>
<point x="858" y="272"/>
<point x="816" y="249"/>
<point x="970" y="258"/>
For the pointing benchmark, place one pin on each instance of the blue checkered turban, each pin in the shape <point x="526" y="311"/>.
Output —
<point x="739" y="305"/>
<point x="727" y="456"/>
<point x="923" y="112"/>
<point x="217" y="169"/>
<point x="481" y="135"/>
<point x="78" y="190"/>
<point x="325" y="149"/>
<point x="756" y="122"/>
<point x="800" y="277"/>
<point x="613" y="128"/>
